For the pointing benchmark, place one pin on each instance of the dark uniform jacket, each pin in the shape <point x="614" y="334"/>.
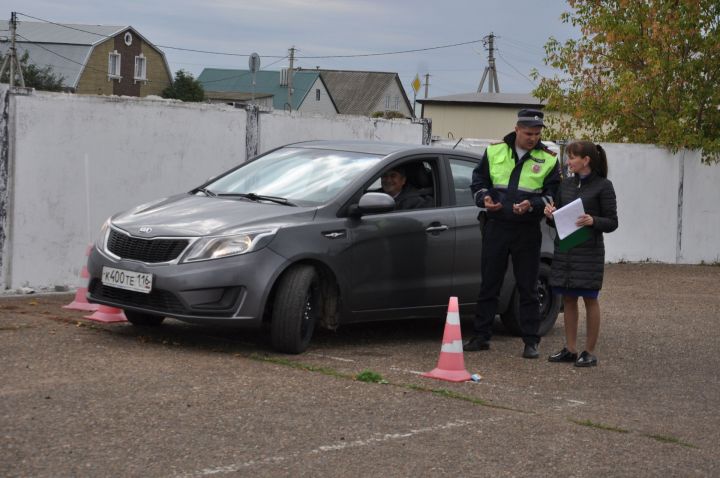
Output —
<point x="482" y="186"/>
<point x="582" y="266"/>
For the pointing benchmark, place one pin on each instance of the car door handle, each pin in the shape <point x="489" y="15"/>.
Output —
<point x="437" y="228"/>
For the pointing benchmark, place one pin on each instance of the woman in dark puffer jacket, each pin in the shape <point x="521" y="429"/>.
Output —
<point x="578" y="272"/>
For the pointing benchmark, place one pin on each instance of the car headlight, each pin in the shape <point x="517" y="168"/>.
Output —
<point x="209" y="248"/>
<point x="102" y="238"/>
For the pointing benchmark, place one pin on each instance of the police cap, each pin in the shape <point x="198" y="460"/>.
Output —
<point x="530" y="117"/>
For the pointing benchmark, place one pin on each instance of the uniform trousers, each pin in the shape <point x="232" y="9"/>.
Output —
<point x="522" y="242"/>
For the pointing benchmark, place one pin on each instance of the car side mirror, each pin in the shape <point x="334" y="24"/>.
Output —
<point x="372" y="203"/>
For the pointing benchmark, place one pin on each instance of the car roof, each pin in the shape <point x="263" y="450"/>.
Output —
<point x="379" y="147"/>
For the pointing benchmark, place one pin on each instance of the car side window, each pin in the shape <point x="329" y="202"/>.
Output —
<point x="413" y="184"/>
<point x="462" y="177"/>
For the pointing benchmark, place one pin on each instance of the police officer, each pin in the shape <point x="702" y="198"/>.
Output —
<point x="514" y="181"/>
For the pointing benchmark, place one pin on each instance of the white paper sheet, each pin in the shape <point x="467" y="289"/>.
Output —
<point x="567" y="216"/>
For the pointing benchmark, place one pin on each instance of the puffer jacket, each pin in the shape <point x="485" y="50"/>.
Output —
<point x="583" y="266"/>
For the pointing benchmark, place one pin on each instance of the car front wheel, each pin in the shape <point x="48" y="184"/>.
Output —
<point x="295" y="310"/>
<point x="549" y="306"/>
<point x="140" y="319"/>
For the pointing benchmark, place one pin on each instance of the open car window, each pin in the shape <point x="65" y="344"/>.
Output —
<point x="419" y="191"/>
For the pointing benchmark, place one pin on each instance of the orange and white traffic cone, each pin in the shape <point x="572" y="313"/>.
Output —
<point x="80" y="301"/>
<point x="107" y="315"/>
<point x="451" y="364"/>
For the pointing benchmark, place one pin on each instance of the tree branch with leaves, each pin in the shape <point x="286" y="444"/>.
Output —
<point x="642" y="72"/>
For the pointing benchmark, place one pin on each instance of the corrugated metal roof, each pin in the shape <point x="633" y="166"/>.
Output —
<point x="66" y="33"/>
<point x="357" y="92"/>
<point x="519" y="99"/>
<point x="266" y="82"/>
<point x="65" y="60"/>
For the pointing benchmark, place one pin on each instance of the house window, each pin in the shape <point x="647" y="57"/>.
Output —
<point x="114" y="64"/>
<point x="317" y="94"/>
<point x="140" y="68"/>
<point x="397" y="103"/>
<point x="387" y="102"/>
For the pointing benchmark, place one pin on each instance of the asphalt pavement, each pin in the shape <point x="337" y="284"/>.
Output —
<point x="81" y="398"/>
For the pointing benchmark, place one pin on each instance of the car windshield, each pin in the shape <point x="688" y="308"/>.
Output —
<point x="299" y="175"/>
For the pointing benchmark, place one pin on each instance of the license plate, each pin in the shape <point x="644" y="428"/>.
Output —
<point x="137" y="281"/>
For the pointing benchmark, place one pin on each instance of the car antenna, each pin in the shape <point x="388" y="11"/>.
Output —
<point x="457" y="143"/>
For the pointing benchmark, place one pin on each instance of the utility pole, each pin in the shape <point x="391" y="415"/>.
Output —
<point x="11" y="56"/>
<point x="290" y="77"/>
<point x="427" y="83"/>
<point x="490" y="69"/>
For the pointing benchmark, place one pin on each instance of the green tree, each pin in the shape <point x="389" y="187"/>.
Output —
<point x="185" y="88"/>
<point x="643" y="71"/>
<point x="40" y="78"/>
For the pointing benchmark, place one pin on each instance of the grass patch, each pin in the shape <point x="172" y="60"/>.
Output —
<point x="443" y="392"/>
<point x="299" y="365"/>
<point x="670" y="439"/>
<point x="599" y="426"/>
<point x="370" y="377"/>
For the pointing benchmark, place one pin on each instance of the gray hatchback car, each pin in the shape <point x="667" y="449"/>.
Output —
<point x="303" y="236"/>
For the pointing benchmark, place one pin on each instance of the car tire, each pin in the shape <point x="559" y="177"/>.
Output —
<point x="295" y="310"/>
<point x="143" y="320"/>
<point x="549" y="306"/>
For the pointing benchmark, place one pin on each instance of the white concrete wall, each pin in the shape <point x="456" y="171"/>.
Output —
<point x="646" y="180"/>
<point x="700" y="211"/>
<point x="79" y="159"/>
<point x="279" y="128"/>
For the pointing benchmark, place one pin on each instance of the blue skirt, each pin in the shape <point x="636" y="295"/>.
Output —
<point x="577" y="292"/>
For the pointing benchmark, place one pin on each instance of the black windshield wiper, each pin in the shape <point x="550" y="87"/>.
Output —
<point x="259" y="197"/>
<point x="205" y="191"/>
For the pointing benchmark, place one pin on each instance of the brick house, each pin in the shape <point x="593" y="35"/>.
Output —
<point x="95" y="59"/>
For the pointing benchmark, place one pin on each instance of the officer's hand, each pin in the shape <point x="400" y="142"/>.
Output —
<point x="522" y="207"/>
<point x="490" y="205"/>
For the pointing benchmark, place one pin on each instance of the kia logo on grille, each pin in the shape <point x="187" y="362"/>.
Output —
<point x="145" y="229"/>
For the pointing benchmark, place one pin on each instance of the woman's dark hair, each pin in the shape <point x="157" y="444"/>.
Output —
<point x="596" y="153"/>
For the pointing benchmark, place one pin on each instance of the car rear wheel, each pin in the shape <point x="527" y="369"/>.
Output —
<point x="549" y="306"/>
<point x="141" y="319"/>
<point x="295" y="310"/>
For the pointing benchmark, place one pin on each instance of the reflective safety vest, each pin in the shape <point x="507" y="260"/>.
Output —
<point x="534" y="170"/>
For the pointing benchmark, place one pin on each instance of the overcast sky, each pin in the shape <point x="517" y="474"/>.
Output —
<point x="327" y="28"/>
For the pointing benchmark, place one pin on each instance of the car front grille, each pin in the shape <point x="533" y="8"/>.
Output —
<point x="145" y="250"/>
<point x="160" y="300"/>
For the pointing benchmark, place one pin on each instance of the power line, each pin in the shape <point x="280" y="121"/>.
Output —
<point x="518" y="71"/>
<point x="208" y="52"/>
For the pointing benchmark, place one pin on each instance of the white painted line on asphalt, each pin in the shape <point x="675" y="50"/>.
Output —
<point x="341" y="445"/>
<point x="397" y="369"/>
<point x="339" y="359"/>
<point x="577" y="402"/>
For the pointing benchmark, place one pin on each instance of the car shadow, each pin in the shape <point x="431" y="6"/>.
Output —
<point x="424" y="332"/>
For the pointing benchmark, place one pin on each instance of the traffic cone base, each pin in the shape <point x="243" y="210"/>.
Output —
<point x="107" y="315"/>
<point x="451" y="364"/>
<point x="80" y="301"/>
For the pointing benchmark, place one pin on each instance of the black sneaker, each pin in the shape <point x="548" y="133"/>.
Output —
<point x="476" y="343"/>
<point x="563" y="356"/>
<point x="586" y="359"/>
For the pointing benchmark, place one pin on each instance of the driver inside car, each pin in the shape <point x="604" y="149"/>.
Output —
<point x="394" y="183"/>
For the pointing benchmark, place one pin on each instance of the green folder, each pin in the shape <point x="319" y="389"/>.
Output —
<point x="575" y="239"/>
